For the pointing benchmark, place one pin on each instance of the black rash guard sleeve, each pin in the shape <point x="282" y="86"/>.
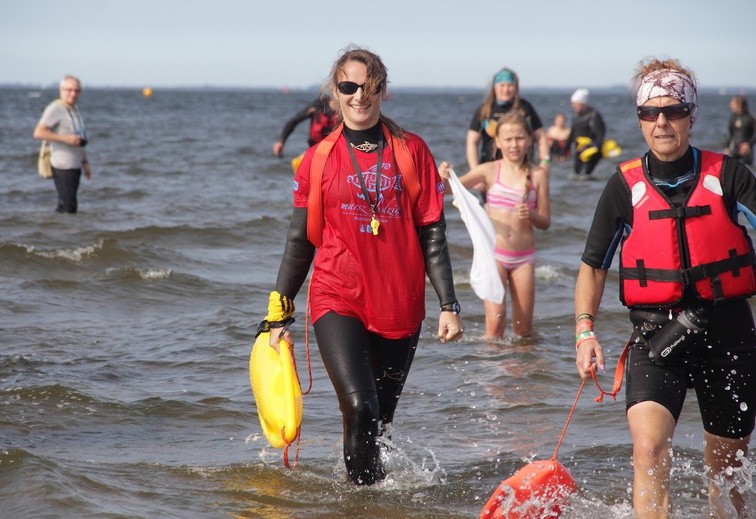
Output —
<point x="612" y="212"/>
<point x="738" y="179"/>
<point x="437" y="261"/>
<point x="297" y="256"/>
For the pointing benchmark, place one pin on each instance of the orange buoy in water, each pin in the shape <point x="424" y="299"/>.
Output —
<point x="147" y="92"/>
<point x="537" y="490"/>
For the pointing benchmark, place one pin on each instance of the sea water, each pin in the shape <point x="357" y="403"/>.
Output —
<point x="126" y="329"/>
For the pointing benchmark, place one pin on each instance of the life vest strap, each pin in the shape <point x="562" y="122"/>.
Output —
<point x="680" y="213"/>
<point x="690" y="276"/>
<point x="732" y="264"/>
<point x="644" y="275"/>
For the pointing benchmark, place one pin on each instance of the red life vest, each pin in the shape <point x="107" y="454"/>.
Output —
<point x="696" y="245"/>
<point x="404" y="162"/>
<point x="320" y="126"/>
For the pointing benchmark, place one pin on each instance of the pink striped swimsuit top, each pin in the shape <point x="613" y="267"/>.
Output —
<point x="504" y="198"/>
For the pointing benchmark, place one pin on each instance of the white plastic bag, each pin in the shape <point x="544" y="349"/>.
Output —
<point x="484" y="275"/>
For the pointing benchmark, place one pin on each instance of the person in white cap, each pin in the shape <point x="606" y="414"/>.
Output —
<point x="588" y="132"/>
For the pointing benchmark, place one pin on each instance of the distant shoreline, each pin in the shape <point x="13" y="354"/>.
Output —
<point x="721" y="90"/>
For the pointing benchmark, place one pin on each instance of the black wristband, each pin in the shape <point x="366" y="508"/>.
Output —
<point x="265" y="326"/>
<point x="451" y="307"/>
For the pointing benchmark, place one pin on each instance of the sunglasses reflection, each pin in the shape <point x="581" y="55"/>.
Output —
<point x="350" y="87"/>
<point x="672" y="112"/>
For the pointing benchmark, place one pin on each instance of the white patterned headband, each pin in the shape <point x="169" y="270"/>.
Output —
<point x="668" y="83"/>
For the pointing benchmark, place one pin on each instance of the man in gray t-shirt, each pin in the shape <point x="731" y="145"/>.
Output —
<point x="62" y="126"/>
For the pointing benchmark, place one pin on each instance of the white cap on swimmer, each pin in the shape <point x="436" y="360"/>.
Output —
<point x="580" y="96"/>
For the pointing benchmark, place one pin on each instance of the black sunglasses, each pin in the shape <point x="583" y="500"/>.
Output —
<point x="672" y="112"/>
<point x="350" y="87"/>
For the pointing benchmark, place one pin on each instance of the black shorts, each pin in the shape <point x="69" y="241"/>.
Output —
<point x="721" y="370"/>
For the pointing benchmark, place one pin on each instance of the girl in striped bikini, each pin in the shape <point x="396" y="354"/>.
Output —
<point x="517" y="203"/>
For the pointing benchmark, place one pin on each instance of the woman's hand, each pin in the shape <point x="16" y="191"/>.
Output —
<point x="449" y="326"/>
<point x="276" y="334"/>
<point x="589" y="353"/>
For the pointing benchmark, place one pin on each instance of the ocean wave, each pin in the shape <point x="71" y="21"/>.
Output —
<point x="142" y="273"/>
<point x="75" y="254"/>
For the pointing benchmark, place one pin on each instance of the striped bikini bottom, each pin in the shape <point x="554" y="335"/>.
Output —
<point x="511" y="259"/>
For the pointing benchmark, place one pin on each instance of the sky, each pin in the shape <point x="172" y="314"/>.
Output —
<point x="428" y="43"/>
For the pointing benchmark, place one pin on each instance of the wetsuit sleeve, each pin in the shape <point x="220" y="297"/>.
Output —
<point x="598" y="127"/>
<point x="437" y="261"/>
<point x="740" y="181"/>
<point x="297" y="256"/>
<point x="613" y="211"/>
<point x="294" y="121"/>
<point x="475" y="122"/>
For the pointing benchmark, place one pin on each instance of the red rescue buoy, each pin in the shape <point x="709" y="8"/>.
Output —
<point x="537" y="490"/>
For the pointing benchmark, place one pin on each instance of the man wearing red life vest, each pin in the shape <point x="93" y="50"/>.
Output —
<point x="686" y="271"/>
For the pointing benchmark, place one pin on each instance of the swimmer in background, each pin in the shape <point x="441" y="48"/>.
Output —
<point x="323" y="119"/>
<point x="503" y="97"/>
<point x="558" y="138"/>
<point x="588" y="132"/>
<point x="741" y="131"/>
<point x="518" y="202"/>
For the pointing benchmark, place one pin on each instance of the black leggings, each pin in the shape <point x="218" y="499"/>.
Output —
<point x="368" y="373"/>
<point x="67" y="184"/>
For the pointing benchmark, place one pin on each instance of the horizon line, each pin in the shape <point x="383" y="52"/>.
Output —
<point x="314" y="87"/>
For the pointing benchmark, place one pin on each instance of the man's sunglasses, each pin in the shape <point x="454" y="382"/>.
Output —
<point x="350" y="87"/>
<point x="672" y="112"/>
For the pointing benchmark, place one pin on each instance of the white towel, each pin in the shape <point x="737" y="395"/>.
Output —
<point x="484" y="275"/>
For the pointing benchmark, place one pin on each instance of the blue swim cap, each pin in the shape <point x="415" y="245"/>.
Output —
<point x="504" y="76"/>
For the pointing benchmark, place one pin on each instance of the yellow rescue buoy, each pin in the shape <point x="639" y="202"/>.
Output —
<point x="586" y="150"/>
<point x="611" y="148"/>
<point x="275" y="386"/>
<point x="147" y="92"/>
<point x="295" y="162"/>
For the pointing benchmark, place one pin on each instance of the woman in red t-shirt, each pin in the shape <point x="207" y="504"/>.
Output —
<point x="367" y="292"/>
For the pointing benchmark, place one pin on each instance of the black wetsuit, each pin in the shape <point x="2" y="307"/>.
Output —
<point x="587" y="123"/>
<point x="742" y="128"/>
<point x="367" y="371"/>
<point x="487" y="151"/>
<point x="319" y="112"/>
<point x="723" y="366"/>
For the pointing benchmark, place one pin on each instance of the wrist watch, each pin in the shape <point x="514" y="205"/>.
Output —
<point x="451" y="307"/>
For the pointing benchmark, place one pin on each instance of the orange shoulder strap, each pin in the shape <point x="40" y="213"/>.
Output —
<point x="405" y="164"/>
<point x="315" y="217"/>
<point x="631" y="164"/>
<point x="315" y="198"/>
